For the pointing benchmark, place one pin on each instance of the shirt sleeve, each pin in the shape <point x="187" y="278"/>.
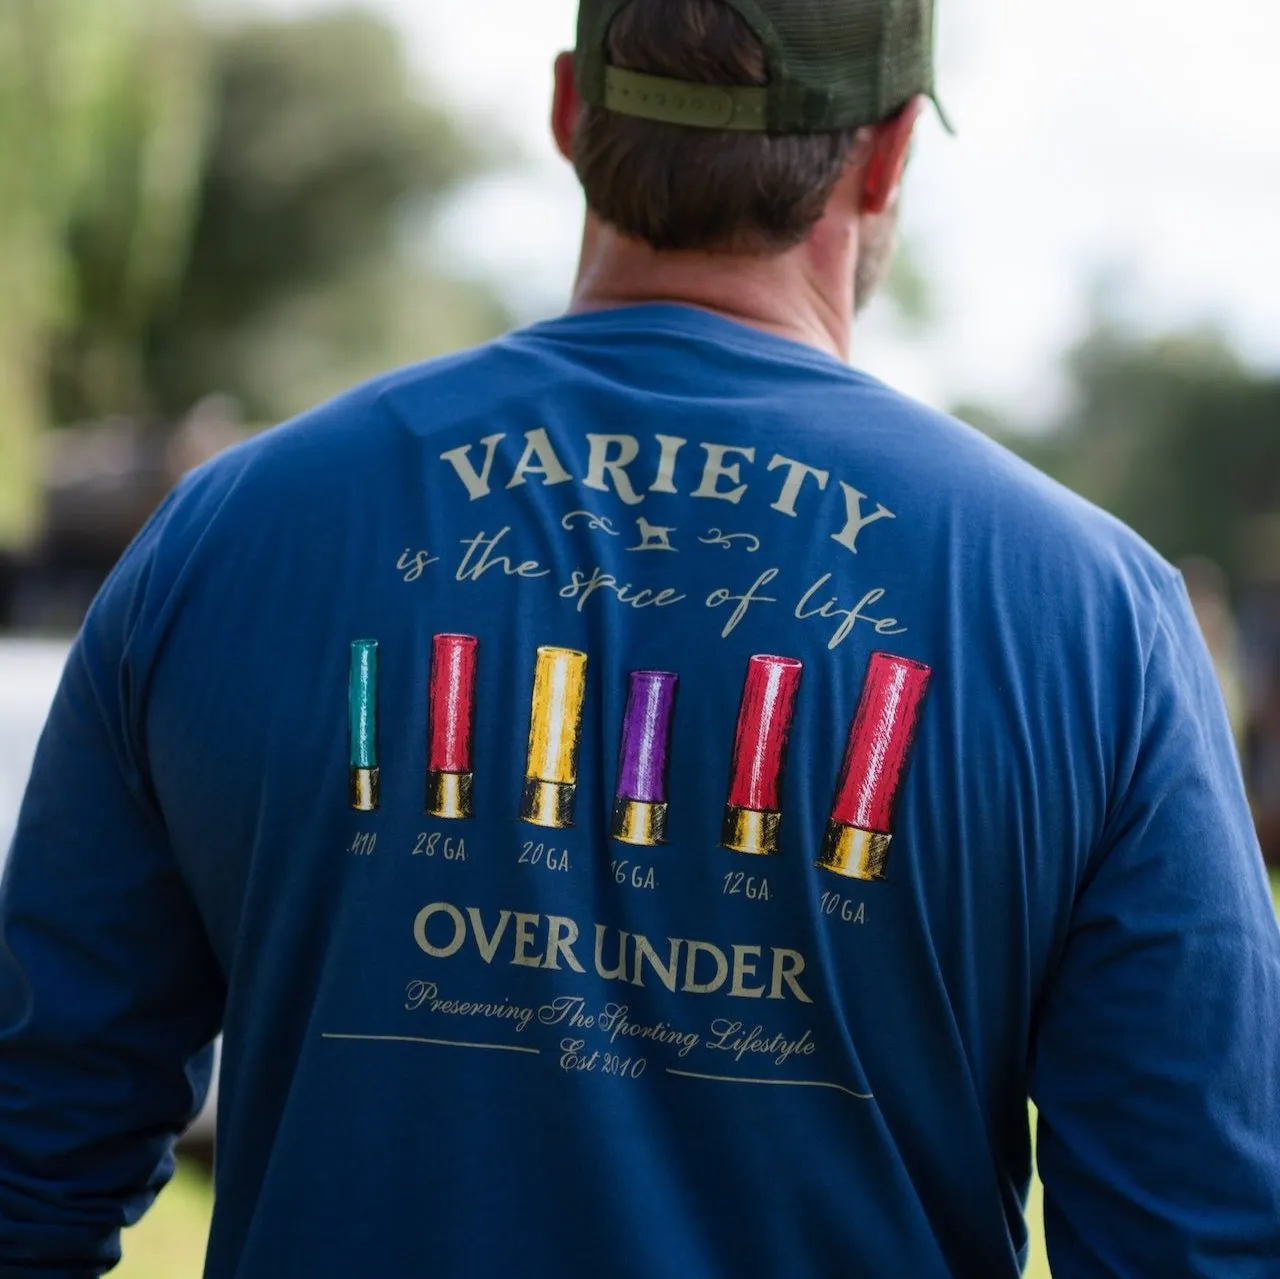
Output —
<point x="110" y="996"/>
<point x="1156" y="1060"/>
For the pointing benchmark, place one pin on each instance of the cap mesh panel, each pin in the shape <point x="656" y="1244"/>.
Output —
<point x="834" y="64"/>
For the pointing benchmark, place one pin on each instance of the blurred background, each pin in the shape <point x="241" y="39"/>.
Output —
<point x="216" y="213"/>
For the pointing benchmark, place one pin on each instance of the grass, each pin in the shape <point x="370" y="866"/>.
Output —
<point x="1037" y="1258"/>
<point x="169" y="1242"/>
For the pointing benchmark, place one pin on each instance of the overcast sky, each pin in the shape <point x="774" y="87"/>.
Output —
<point x="1133" y="139"/>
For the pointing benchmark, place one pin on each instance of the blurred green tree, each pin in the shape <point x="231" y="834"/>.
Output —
<point x="100" y="125"/>
<point x="908" y="289"/>
<point x="187" y="209"/>
<point x="1172" y="434"/>
<point x="300" y="273"/>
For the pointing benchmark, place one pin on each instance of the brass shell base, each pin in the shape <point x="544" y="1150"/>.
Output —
<point x="746" y="830"/>
<point x="635" y="822"/>
<point x="449" y="795"/>
<point x="547" y="803"/>
<point x="364" y="790"/>
<point x="854" y="853"/>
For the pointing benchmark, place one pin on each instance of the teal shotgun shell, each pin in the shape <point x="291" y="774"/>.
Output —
<point x="362" y="704"/>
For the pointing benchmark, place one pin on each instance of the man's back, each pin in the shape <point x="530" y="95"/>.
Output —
<point x="656" y="800"/>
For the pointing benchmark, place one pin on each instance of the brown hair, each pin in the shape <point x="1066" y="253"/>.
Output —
<point x="699" y="189"/>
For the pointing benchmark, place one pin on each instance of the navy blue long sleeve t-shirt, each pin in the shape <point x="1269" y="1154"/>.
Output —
<point x="641" y="798"/>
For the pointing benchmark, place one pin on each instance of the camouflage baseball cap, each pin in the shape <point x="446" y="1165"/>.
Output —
<point x="833" y="65"/>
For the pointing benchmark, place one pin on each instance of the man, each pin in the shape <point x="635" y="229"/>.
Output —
<point x="642" y="798"/>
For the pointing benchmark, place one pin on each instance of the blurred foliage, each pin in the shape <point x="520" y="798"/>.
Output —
<point x="187" y="209"/>
<point x="1172" y="434"/>
<point x="170" y="1241"/>
<point x="908" y="290"/>
<point x="321" y="164"/>
<point x="100" y="121"/>
<point x="126" y="231"/>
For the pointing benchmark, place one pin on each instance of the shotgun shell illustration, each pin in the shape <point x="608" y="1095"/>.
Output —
<point x="555" y="726"/>
<point x="754" y="811"/>
<point x="875" y="762"/>
<point x="362" y="716"/>
<point x="451" y="707"/>
<point x="640" y="808"/>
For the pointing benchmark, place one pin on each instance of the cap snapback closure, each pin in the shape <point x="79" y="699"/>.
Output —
<point x="702" y="106"/>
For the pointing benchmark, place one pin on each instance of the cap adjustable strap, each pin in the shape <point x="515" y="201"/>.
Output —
<point x="699" y="106"/>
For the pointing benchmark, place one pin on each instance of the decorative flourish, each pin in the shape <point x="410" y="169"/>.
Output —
<point x="715" y="537"/>
<point x="596" y="523"/>
<point x="654" y="537"/>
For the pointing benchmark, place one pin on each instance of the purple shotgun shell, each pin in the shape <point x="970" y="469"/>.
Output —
<point x="640" y="807"/>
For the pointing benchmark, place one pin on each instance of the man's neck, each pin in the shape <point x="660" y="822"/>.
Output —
<point x="789" y="294"/>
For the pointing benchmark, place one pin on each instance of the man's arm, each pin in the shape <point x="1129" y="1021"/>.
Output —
<point x="1156" y="1064"/>
<point x="109" y="993"/>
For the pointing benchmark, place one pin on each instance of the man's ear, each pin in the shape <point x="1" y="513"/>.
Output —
<point x="890" y="146"/>
<point x="566" y="106"/>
